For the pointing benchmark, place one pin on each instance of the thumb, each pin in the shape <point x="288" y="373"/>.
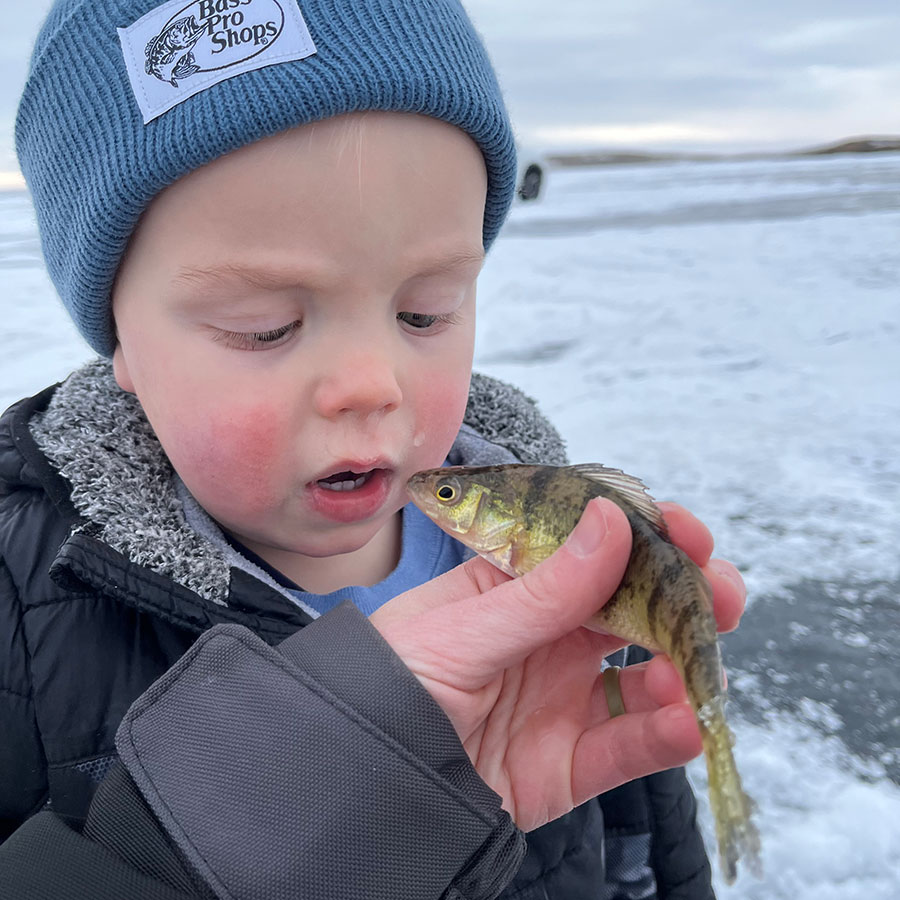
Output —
<point x="498" y="628"/>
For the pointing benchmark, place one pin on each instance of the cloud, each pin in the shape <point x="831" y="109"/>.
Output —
<point x="828" y="32"/>
<point x="654" y="72"/>
<point x="20" y="26"/>
<point x="696" y="74"/>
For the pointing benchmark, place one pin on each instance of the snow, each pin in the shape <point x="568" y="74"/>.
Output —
<point x="828" y="830"/>
<point x="690" y="354"/>
<point x="730" y="333"/>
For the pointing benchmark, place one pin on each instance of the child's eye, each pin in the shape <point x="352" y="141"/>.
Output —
<point x="417" y="320"/>
<point x="424" y="321"/>
<point x="257" y="340"/>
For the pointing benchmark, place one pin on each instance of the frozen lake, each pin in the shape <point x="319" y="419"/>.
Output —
<point x="729" y="332"/>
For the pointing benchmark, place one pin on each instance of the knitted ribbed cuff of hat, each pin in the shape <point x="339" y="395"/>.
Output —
<point x="93" y="166"/>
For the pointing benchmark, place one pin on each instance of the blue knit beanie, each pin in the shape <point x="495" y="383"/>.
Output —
<point x="126" y="96"/>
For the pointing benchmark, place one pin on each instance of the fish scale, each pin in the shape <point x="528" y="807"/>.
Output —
<point x="518" y="515"/>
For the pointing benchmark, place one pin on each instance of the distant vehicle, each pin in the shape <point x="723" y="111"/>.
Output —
<point x="531" y="180"/>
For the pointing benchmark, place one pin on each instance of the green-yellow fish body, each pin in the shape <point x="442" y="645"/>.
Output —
<point x="518" y="515"/>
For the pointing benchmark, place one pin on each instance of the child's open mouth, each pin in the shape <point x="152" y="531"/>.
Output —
<point x="345" y="481"/>
<point x="348" y="495"/>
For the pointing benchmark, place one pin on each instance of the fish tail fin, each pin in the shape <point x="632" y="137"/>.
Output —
<point x="732" y="808"/>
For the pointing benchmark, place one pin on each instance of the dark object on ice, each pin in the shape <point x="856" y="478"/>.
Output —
<point x="531" y="177"/>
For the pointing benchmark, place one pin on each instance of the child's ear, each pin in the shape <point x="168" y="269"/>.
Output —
<point x="120" y="370"/>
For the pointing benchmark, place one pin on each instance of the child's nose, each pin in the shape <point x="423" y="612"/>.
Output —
<point x="364" y="383"/>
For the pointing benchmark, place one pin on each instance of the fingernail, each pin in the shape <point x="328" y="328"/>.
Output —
<point x="590" y="531"/>
<point x="725" y="569"/>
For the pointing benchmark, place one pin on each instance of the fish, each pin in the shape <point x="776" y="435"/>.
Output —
<point x="170" y="53"/>
<point x="517" y="515"/>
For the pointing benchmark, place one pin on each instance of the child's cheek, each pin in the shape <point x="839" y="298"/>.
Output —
<point x="234" y="461"/>
<point x="440" y="414"/>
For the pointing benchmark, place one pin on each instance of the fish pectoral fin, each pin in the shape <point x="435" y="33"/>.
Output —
<point x="185" y="67"/>
<point x="498" y="534"/>
<point x="524" y="558"/>
<point x="632" y="489"/>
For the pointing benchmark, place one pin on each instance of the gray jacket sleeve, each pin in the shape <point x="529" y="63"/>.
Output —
<point x="317" y="769"/>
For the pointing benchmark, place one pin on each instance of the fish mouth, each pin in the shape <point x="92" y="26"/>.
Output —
<point x="421" y="481"/>
<point x="196" y="30"/>
<point x="446" y="512"/>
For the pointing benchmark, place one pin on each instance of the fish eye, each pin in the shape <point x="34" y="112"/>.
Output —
<point x="446" y="492"/>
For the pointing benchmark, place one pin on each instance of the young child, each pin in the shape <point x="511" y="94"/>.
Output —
<point x="268" y="220"/>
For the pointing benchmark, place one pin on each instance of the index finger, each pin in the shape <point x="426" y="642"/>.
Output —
<point x="692" y="536"/>
<point x="688" y="532"/>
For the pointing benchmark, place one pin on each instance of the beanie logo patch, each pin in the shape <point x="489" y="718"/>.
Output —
<point x="178" y="50"/>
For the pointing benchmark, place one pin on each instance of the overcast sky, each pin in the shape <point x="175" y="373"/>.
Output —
<point x="691" y="74"/>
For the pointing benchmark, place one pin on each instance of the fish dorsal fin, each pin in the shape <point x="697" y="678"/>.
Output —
<point x="632" y="490"/>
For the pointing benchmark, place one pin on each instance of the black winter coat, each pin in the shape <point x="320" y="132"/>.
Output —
<point x="93" y="611"/>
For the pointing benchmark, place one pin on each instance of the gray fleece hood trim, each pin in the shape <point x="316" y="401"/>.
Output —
<point x="127" y="493"/>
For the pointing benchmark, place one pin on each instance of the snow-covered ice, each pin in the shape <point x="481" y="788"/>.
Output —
<point x="729" y="332"/>
<point x="747" y="367"/>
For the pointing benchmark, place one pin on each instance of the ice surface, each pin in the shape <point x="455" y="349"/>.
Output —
<point x="827" y="830"/>
<point x="748" y="368"/>
<point x="730" y="333"/>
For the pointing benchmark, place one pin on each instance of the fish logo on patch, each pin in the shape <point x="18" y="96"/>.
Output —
<point x="178" y="49"/>
<point x="169" y="53"/>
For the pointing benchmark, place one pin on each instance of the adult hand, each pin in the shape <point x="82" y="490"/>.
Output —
<point x="519" y="678"/>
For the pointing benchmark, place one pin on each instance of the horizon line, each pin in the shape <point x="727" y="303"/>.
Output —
<point x="12" y="180"/>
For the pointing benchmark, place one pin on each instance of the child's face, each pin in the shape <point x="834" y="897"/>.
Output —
<point x="305" y="307"/>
